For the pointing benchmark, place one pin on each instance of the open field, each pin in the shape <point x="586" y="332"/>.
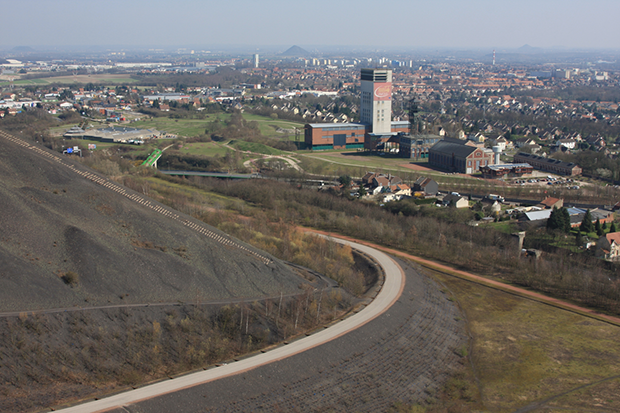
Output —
<point x="195" y="127"/>
<point x="203" y="149"/>
<point x="355" y="164"/>
<point x="268" y="126"/>
<point x="181" y="127"/>
<point x="525" y="351"/>
<point x="366" y="161"/>
<point x="507" y="227"/>
<point x="104" y="78"/>
<point x="255" y="147"/>
<point x="25" y="82"/>
<point x="387" y="163"/>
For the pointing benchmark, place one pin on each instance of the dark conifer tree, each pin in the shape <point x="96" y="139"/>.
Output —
<point x="586" y="224"/>
<point x="598" y="229"/>
<point x="565" y="220"/>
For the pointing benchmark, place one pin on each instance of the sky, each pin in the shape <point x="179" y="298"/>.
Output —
<point x="380" y="25"/>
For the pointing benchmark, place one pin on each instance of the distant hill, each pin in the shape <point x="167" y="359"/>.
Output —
<point x="58" y="226"/>
<point x="22" y="49"/>
<point x="296" y="51"/>
<point x="526" y="48"/>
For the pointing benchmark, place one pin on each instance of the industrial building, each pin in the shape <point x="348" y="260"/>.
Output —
<point x="416" y="146"/>
<point x="376" y="102"/>
<point x="179" y="97"/>
<point x="322" y="136"/>
<point x="121" y="134"/>
<point x="548" y="164"/>
<point x="376" y="127"/>
<point x="455" y="155"/>
<point x="506" y="170"/>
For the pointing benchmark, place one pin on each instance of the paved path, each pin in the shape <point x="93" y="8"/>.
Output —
<point x="389" y="294"/>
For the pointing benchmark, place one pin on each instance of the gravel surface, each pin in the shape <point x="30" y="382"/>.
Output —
<point x="59" y="217"/>
<point x="406" y="354"/>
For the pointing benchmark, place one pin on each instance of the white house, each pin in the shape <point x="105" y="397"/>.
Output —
<point x="567" y="143"/>
<point x="456" y="201"/>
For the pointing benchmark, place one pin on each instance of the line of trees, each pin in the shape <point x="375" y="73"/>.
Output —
<point x="560" y="273"/>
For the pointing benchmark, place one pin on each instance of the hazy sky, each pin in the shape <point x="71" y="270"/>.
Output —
<point x="377" y="24"/>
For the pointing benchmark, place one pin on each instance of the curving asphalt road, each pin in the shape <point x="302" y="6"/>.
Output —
<point x="390" y="292"/>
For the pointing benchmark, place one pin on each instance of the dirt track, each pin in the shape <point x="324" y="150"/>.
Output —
<point x="556" y="302"/>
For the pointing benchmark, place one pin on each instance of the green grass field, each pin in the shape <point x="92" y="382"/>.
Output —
<point x="268" y="126"/>
<point x="196" y="127"/>
<point x="255" y="147"/>
<point x="181" y="127"/>
<point x="525" y="351"/>
<point x="209" y="149"/>
<point x="31" y="82"/>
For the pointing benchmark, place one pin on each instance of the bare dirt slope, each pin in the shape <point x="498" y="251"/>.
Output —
<point x="69" y="237"/>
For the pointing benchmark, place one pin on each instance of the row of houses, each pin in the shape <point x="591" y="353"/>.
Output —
<point x="394" y="189"/>
<point x="539" y="214"/>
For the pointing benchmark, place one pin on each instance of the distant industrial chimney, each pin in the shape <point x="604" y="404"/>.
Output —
<point x="493" y="57"/>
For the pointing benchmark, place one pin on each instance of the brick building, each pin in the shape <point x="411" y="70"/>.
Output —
<point x="455" y="155"/>
<point x="548" y="164"/>
<point x="506" y="170"/>
<point x="376" y="130"/>
<point x="322" y="136"/>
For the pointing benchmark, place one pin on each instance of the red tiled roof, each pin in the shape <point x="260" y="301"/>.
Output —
<point x="613" y="237"/>
<point x="549" y="201"/>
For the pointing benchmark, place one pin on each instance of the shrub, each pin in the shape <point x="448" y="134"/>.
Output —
<point x="70" y="278"/>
